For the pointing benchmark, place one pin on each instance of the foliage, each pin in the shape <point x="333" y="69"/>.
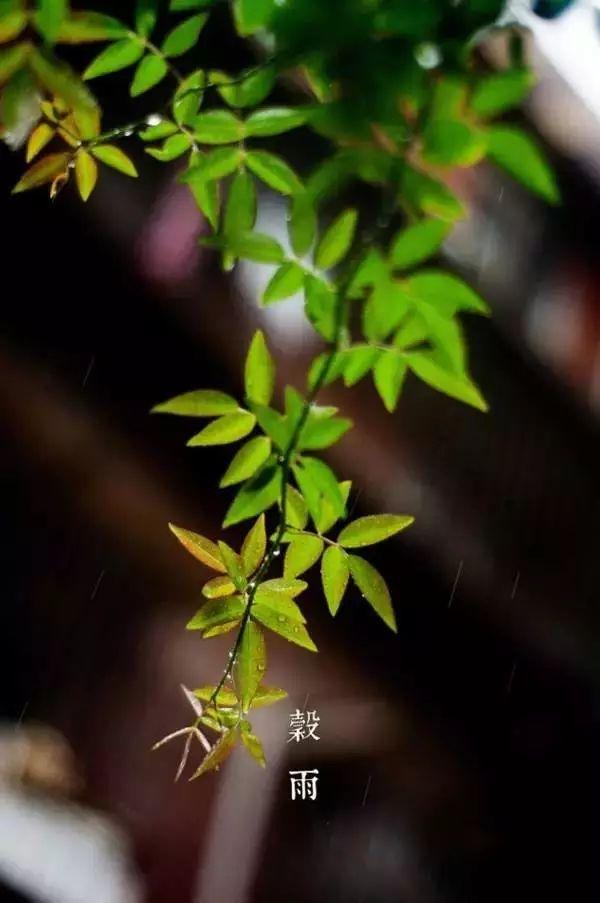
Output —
<point x="400" y="98"/>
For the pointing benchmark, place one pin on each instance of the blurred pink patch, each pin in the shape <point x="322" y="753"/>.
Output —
<point x="168" y="250"/>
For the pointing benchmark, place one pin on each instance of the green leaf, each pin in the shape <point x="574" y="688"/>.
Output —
<point x="254" y="546"/>
<point x="445" y="292"/>
<point x="320" y="306"/>
<point x="150" y="71"/>
<point x="216" y="612"/>
<point x="448" y="142"/>
<point x="218" y="587"/>
<point x="164" y="129"/>
<point x="184" y="6"/>
<point x="252" y="15"/>
<point x="273" y="424"/>
<point x="218" y="753"/>
<point x="250" y="664"/>
<point x="365" y="531"/>
<point x="389" y="373"/>
<point x="386" y="307"/>
<point x="328" y="515"/>
<point x="259" y="371"/>
<point x="429" y="196"/>
<point x="255" y="246"/>
<point x="274" y="121"/>
<point x="201" y="548"/>
<point x="374" y="588"/>
<point x="240" y="213"/>
<point x="88" y="26"/>
<point x="517" y="153"/>
<point x="247" y="460"/>
<point x="371" y="270"/>
<point x="247" y="92"/>
<point x="50" y="16"/>
<point x="286" y="585"/>
<point x="279" y="603"/>
<point x="173" y="147"/>
<point x="188" y="97"/>
<point x="146" y="14"/>
<point x="301" y="554"/>
<point x="254" y="747"/>
<point x="183" y="37"/>
<point x="216" y="164"/>
<point x="302" y="223"/>
<point x="324" y="478"/>
<point x="207" y="198"/>
<point x="267" y="696"/>
<point x="219" y="629"/>
<point x="274" y="171"/>
<point x="446" y="335"/>
<point x="217" y="127"/>
<point x="286" y="281"/>
<point x="501" y="91"/>
<point x="116" y="56"/>
<point x="255" y="496"/>
<point x="113" y="156"/>
<point x="233" y="565"/>
<point x="59" y="79"/>
<point x="418" y="242"/>
<point x="336" y="242"/>
<point x="226" y="429"/>
<point x="291" y="630"/>
<point x="427" y="368"/>
<point x="296" y="510"/>
<point x="322" y="432"/>
<point x="201" y="403"/>
<point x="357" y="363"/>
<point x="335" y="571"/>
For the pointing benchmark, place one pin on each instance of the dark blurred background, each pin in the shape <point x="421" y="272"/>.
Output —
<point x="458" y="760"/>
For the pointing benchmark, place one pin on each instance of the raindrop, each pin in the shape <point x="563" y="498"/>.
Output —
<point x="281" y="618"/>
<point x="128" y="133"/>
<point x="428" y="55"/>
<point x="276" y="552"/>
<point x="154" y="119"/>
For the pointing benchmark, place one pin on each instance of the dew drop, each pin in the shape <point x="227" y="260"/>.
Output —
<point x="276" y="552"/>
<point x="281" y="618"/>
<point x="154" y="119"/>
<point x="296" y="630"/>
<point x="128" y="133"/>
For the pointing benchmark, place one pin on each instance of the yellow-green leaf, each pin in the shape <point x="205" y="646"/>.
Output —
<point x="39" y="138"/>
<point x="222" y="748"/>
<point x="335" y="571"/>
<point x="12" y="24"/>
<point x="217" y="587"/>
<point x="114" y="156"/>
<point x="87" y="27"/>
<point x="217" y="127"/>
<point x="254" y="546"/>
<point x="225" y="696"/>
<point x="274" y="120"/>
<point x="226" y="429"/>
<point x="42" y="172"/>
<point x="286" y="585"/>
<point x="374" y="588"/>
<point x="254" y="747"/>
<point x="278" y="603"/>
<point x="458" y="386"/>
<point x="267" y="696"/>
<point x="247" y="461"/>
<point x="365" y="531"/>
<point x="86" y="174"/>
<point x="216" y="612"/>
<point x="233" y="565"/>
<point x="12" y="58"/>
<point x="418" y="242"/>
<point x="518" y="154"/>
<point x="250" y="664"/>
<point x="259" y="371"/>
<point x="301" y="554"/>
<point x="201" y="403"/>
<point x="201" y="548"/>
<point x="255" y="496"/>
<point x="289" y="628"/>
<point x="296" y="512"/>
<point x="500" y="91"/>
